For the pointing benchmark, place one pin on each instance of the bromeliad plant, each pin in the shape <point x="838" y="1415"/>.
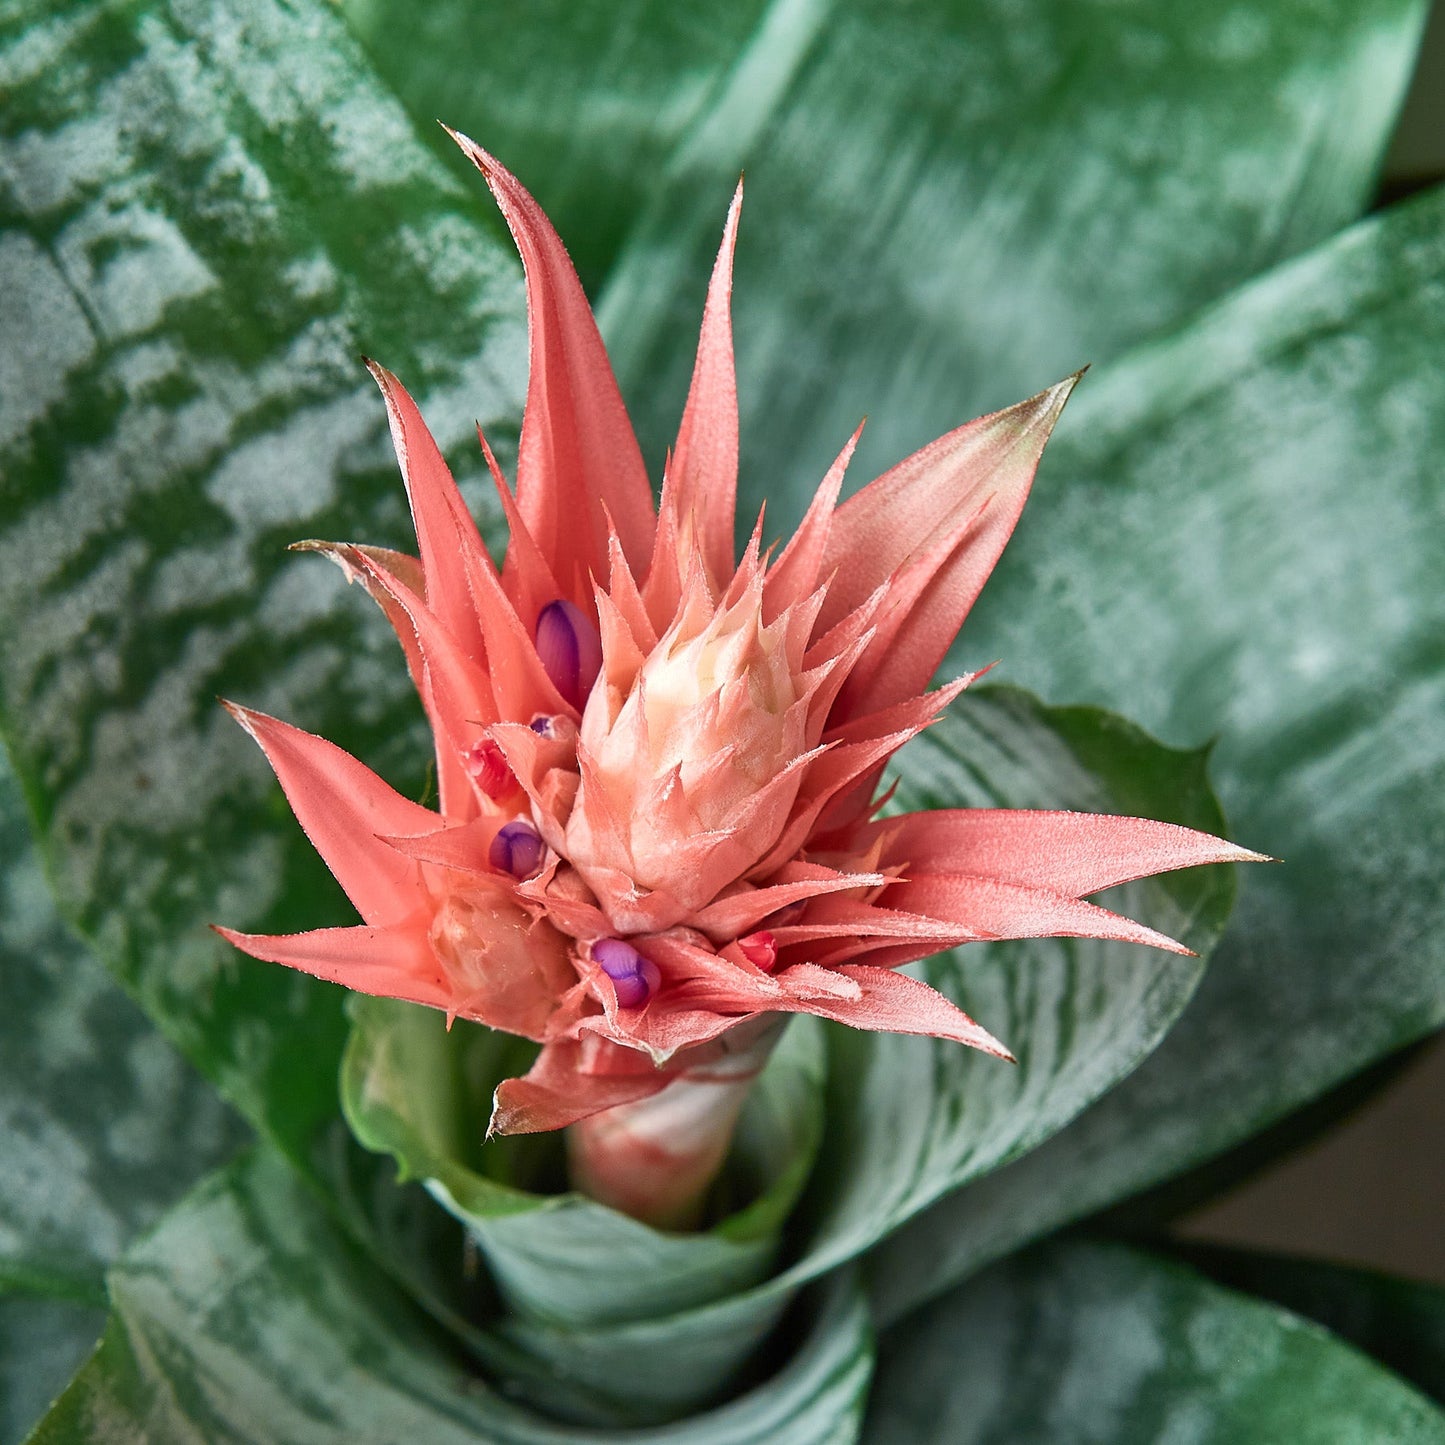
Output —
<point x="670" y="808"/>
<point x="657" y="768"/>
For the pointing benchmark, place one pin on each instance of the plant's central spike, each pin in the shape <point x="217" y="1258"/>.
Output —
<point x="658" y="767"/>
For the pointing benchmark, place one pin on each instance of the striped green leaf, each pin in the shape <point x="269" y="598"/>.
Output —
<point x="910" y="1119"/>
<point x="917" y="1118"/>
<point x="206" y="212"/>
<point x="949" y="205"/>
<point x="248" y="1317"/>
<point x="566" y="1266"/>
<point x="1271" y="477"/>
<point x="104" y="1124"/>
<point x="1085" y="1344"/>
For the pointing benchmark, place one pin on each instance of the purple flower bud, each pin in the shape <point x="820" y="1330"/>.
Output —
<point x="570" y="649"/>
<point x="544" y="725"/>
<point x="634" y="977"/>
<point x="517" y="849"/>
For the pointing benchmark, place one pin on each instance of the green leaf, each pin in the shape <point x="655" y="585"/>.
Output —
<point x="41" y="1343"/>
<point x="422" y="1092"/>
<point x="1242" y="531"/>
<point x="564" y="1264"/>
<point x="949" y="206"/>
<point x="916" y="1118"/>
<point x="206" y="213"/>
<point x="147" y="795"/>
<point x="1400" y="1322"/>
<point x="585" y="101"/>
<point x="248" y="1317"/>
<point x="1086" y="1344"/>
<point x="104" y="1124"/>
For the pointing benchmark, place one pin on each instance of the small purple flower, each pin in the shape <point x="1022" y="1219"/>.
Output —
<point x="517" y="849"/>
<point x="634" y="977"/>
<point x="570" y="650"/>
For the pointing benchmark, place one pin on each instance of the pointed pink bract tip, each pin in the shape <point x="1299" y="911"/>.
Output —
<point x="243" y="715"/>
<point x="1050" y="402"/>
<point x="483" y="159"/>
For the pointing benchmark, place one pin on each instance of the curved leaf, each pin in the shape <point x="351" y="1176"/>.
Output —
<point x="1076" y="1342"/>
<point x="1271" y="475"/>
<point x="585" y="102"/>
<point x="104" y="1125"/>
<point x="1399" y="1322"/>
<point x="413" y="1088"/>
<point x="567" y="1267"/>
<point x="948" y="205"/>
<point x="248" y="1317"/>
<point x="207" y="212"/>
<point x="917" y="1118"/>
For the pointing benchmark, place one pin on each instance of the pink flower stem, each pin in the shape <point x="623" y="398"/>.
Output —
<point x="657" y="1159"/>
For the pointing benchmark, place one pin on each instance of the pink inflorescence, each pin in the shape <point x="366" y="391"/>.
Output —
<point x="658" y="765"/>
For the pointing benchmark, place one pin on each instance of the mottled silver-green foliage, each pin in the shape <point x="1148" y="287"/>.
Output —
<point x="108" y="682"/>
<point x="1261" y="499"/>
<point x="915" y="1118"/>
<point x="565" y="1266"/>
<point x="104" y="1125"/>
<point x="41" y="1343"/>
<point x="247" y="1317"/>
<point x="1087" y="1344"/>
<point x="206" y="212"/>
<point x="949" y="205"/>
<point x="1399" y="1322"/>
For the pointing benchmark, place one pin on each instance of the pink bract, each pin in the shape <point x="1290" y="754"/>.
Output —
<point x="657" y="766"/>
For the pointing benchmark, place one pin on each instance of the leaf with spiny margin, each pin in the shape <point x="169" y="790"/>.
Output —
<point x="948" y="206"/>
<point x="104" y="1124"/>
<point x="912" y="1119"/>
<point x="1079" y="1343"/>
<point x="248" y="1316"/>
<point x="1272" y="476"/>
<point x="206" y="212"/>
